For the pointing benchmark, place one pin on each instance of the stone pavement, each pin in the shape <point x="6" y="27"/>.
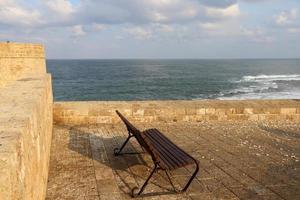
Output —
<point x="238" y="160"/>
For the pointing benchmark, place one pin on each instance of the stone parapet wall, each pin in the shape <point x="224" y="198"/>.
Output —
<point x="17" y="59"/>
<point x="79" y="113"/>
<point x="25" y="132"/>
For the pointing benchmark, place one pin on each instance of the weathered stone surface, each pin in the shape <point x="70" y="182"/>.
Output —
<point x="25" y="124"/>
<point x="17" y="59"/>
<point x="175" y="111"/>
<point x="238" y="160"/>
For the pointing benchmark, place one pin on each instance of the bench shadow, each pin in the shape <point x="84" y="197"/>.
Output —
<point x="101" y="149"/>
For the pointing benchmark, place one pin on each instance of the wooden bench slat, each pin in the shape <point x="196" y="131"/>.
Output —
<point x="168" y="157"/>
<point x="172" y="152"/>
<point x="164" y="157"/>
<point x="180" y="152"/>
<point x="166" y="152"/>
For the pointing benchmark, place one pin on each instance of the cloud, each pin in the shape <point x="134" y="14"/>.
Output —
<point x="294" y="30"/>
<point x="218" y="3"/>
<point x="288" y="21"/>
<point x="61" y="7"/>
<point x="12" y="13"/>
<point x="57" y="13"/>
<point x="257" y="35"/>
<point x="209" y="26"/>
<point x="231" y="11"/>
<point x="188" y="22"/>
<point x="78" y="31"/>
<point x="155" y="11"/>
<point x="99" y="27"/>
<point x="287" y="17"/>
<point x="139" y="33"/>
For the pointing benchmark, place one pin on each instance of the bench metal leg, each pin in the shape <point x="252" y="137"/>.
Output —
<point x="145" y="184"/>
<point x="117" y="151"/>
<point x="192" y="177"/>
<point x="170" y="180"/>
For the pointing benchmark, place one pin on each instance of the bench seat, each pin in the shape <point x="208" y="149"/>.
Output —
<point x="166" y="153"/>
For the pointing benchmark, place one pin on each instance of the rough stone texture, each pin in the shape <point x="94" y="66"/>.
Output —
<point x="17" y="59"/>
<point x="25" y="129"/>
<point x="77" y="113"/>
<point x="238" y="160"/>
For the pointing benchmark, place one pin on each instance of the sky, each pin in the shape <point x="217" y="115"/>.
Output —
<point x="106" y="29"/>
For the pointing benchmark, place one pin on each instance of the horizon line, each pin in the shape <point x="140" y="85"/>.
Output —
<point x="173" y="58"/>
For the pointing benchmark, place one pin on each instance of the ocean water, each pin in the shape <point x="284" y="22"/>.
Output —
<point x="77" y="80"/>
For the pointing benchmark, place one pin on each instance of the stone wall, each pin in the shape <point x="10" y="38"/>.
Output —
<point x="17" y="59"/>
<point x="25" y="121"/>
<point x="76" y="113"/>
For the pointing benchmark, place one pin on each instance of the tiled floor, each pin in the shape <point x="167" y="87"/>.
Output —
<point x="238" y="160"/>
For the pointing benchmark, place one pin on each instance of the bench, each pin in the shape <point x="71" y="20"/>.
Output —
<point x="165" y="154"/>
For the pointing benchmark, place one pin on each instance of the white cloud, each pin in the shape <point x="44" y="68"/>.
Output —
<point x="164" y="28"/>
<point x="13" y="14"/>
<point x="163" y="3"/>
<point x="78" y="31"/>
<point x="61" y="7"/>
<point x="189" y="12"/>
<point x="231" y="11"/>
<point x="289" y="21"/>
<point x="286" y="17"/>
<point x="294" y="30"/>
<point x="155" y="11"/>
<point x="139" y="33"/>
<point x="156" y="16"/>
<point x="257" y="35"/>
<point x="209" y="26"/>
<point x="160" y="21"/>
<point x="99" y="27"/>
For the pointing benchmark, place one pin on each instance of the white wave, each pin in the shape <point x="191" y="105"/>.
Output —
<point x="270" y="78"/>
<point x="269" y="95"/>
<point x="257" y="88"/>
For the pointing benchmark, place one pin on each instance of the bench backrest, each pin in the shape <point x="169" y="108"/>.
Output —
<point x="134" y="131"/>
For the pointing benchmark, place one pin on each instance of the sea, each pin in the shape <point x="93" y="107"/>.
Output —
<point x="174" y="79"/>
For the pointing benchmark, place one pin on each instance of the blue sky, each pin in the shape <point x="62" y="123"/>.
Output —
<point x="155" y="28"/>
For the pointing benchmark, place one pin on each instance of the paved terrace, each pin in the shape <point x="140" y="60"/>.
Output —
<point x="238" y="160"/>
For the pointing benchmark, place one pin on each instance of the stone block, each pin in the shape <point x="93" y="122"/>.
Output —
<point x="238" y="110"/>
<point x="222" y="117"/>
<point x="190" y="111"/>
<point x="262" y="117"/>
<point x="100" y="112"/>
<point x="229" y="111"/>
<point x="253" y="117"/>
<point x="201" y="111"/>
<point x="220" y="111"/>
<point x="272" y="110"/>
<point x="18" y="59"/>
<point x="213" y="117"/>
<point x="248" y="111"/>
<point x="258" y="110"/>
<point x="288" y="111"/>
<point x="210" y="111"/>
<point x="272" y="117"/>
